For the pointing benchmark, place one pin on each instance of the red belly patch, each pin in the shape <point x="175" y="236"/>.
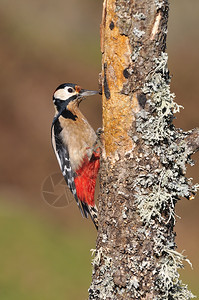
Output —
<point x="85" y="179"/>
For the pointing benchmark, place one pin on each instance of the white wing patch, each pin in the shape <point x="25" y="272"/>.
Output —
<point x="62" y="155"/>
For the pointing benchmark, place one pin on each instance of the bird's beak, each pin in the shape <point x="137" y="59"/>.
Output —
<point x="85" y="93"/>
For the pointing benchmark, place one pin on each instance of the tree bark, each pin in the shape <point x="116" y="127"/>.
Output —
<point x="143" y="161"/>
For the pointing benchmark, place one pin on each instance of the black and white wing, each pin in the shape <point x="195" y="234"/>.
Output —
<point x="62" y="155"/>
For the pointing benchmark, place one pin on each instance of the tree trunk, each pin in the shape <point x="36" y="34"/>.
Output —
<point x="143" y="161"/>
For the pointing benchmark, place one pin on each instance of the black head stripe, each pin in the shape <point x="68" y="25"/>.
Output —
<point x="63" y="85"/>
<point x="61" y="106"/>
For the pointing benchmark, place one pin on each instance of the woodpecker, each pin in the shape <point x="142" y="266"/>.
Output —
<point x="75" y="144"/>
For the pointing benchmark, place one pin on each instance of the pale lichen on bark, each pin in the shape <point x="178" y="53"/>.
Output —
<point x="144" y="159"/>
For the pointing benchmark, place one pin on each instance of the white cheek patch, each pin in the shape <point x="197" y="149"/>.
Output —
<point x="63" y="94"/>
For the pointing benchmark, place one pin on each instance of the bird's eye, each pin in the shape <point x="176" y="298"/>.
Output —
<point x="70" y="90"/>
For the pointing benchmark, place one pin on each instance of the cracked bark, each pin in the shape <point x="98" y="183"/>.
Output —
<point x="143" y="161"/>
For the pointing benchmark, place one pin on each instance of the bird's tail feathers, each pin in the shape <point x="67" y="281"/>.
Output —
<point x="93" y="212"/>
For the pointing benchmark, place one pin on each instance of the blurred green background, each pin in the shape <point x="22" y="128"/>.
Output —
<point x="45" y="251"/>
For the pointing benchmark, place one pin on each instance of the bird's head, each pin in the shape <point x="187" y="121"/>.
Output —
<point x="68" y="95"/>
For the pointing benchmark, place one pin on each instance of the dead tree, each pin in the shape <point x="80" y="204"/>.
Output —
<point x="144" y="158"/>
